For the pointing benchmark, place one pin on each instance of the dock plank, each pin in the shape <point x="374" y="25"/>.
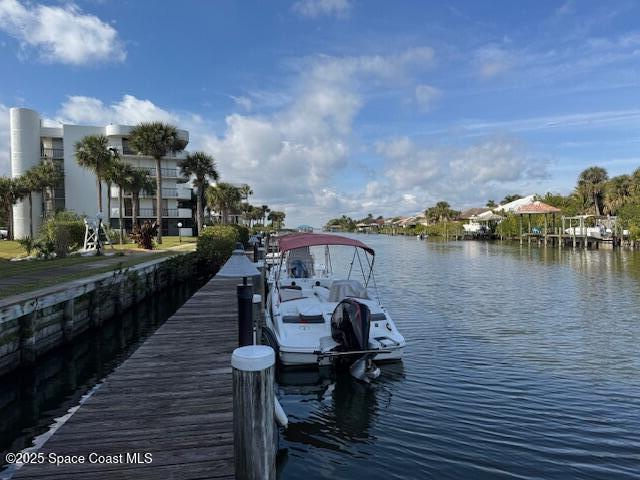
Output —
<point x="171" y="398"/>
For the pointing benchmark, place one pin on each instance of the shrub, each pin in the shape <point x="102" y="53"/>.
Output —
<point x="215" y="245"/>
<point x="113" y="234"/>
<point x="243" y="233"/>
<point x="143" y="235"/>
<point x="65" y="230"/>
<point x="28" y="243"/>
<point x="45" y="248"/>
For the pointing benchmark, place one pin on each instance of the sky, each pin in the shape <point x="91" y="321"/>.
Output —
<point x="331" y="107"/>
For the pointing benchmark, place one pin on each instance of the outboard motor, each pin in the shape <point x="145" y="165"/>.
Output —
<point x="350" y="325"/>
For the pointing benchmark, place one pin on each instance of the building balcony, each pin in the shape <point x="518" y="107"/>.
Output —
<point x="184" y="193"/>
<point x="166" y="172"/>
<point x="128" y="151"/>
<point x="166" y="193"/>
<point x="145" y="213"/>
<point x="52" y="153"/>
<point x="184" y="213"/>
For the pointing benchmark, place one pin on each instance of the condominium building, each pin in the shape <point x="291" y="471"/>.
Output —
<point x="32" y="143"/>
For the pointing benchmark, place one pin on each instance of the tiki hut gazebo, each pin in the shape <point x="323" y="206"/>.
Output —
<point x="537" y="208"/>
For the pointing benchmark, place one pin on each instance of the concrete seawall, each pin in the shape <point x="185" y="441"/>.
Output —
<point x="35" y="322"/>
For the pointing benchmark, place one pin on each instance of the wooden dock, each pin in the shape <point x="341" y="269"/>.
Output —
<point x="172" y="399"/>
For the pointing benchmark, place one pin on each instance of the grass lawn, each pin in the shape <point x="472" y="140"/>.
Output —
<point x="11" y="249"/>
<point x="33" y="275"/>
<point x="167" y="242"/>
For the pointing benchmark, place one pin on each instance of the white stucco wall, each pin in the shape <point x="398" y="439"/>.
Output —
<point x="80" y="183"/>
<point x="25" y="153"/>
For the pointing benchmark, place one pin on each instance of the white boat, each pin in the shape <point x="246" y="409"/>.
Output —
<point x="598" y="231"/>
<point x="313" y="317"/>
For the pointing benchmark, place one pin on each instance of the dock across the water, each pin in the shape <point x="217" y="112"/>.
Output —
<point x="166" y="412"/>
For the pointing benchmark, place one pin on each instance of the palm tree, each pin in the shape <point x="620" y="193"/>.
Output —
<point x="491" y="204"/>
<point x="591" y="184"/>
<point x="510" y="198"/>
<point x="51" y="174"/>
<point x="157" y="140"/>
<point x="635" y="182"/>
<point x="31" y="183"/>
<point x="245" y="208"/>
<point x="276" y="218"/>
<point x="201" y="166"/>
<point x="12" y="190"/>
<point x="139" y="181"/>
<point x="37" y="179"/>
<point x="223" y="197"/>
<point x="120" y="174"/>
<point x="256" y="213"/>
<point x="245" y="191"/>
<point x="265" y="210"/>
<point x="616" y="192"/>
<point x="440" y="213"/>
<point x="93" y="153"/>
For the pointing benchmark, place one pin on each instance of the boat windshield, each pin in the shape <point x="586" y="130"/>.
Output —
<point x="327" y="261"/>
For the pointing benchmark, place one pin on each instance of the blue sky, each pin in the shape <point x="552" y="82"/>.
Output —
<point x="341" y="106"/>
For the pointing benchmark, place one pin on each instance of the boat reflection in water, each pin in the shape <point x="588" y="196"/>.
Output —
<point x="330" y="410"/>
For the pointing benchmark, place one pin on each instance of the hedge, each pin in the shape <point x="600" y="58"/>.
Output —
<point x="216" y="243"/>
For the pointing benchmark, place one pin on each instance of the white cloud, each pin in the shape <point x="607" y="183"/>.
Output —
<point x="567" y="8"/>
<point x="62" y="34"/>
<point x="490" y="160"/>
<point x="320" y="8"/>
<point x="492" y="61"/>
<point x="408" y="166"/>
<point x="419" y="176"/>
<point x="129" y="110"/>
<point x="426" y="96"/>
<point x="242" y="101"/>
<point x="495" y="160"/>
<point x="294" y="154"/>
<point x="5" y="166"/>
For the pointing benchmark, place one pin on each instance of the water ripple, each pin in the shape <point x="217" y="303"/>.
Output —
<point x="522" y="363"/>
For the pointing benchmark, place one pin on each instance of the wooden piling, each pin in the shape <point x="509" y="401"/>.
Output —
<point x="254" y="429"/>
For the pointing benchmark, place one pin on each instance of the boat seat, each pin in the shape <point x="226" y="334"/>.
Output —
<point x="321" y="292"/>
<point x="341" y="289"/>
<point x="287" y="294"/>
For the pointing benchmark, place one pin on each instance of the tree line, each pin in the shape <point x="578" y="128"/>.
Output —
<point x="595" y="193"/>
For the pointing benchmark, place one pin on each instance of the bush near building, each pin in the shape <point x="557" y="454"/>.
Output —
<point x="62" y="233"/>
<point x="215" y="245"/>
<point x="243" y="233"/>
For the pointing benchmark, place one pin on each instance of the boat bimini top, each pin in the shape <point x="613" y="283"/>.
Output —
<point x="299" y="263"/>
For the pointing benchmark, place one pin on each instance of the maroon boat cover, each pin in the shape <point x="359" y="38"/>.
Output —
<point x="299" y="240"/>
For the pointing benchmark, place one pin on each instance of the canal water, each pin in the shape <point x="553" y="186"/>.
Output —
<point x="522" y="363"/>
<point x="32" y="398"/>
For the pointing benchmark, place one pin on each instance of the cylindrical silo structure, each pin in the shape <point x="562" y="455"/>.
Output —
<point x="25" y="153"/>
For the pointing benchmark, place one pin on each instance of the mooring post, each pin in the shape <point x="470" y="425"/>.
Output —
<point x="254" y="430"/>
<point x="68" y="316"/>
<point x="28" y="350"/>
<point x="245" y="314"/>
<point x="239" y="266"/>
<point x="257" y="318"/>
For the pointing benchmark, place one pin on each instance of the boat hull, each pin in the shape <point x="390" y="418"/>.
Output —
<point x="291" y="358"/>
